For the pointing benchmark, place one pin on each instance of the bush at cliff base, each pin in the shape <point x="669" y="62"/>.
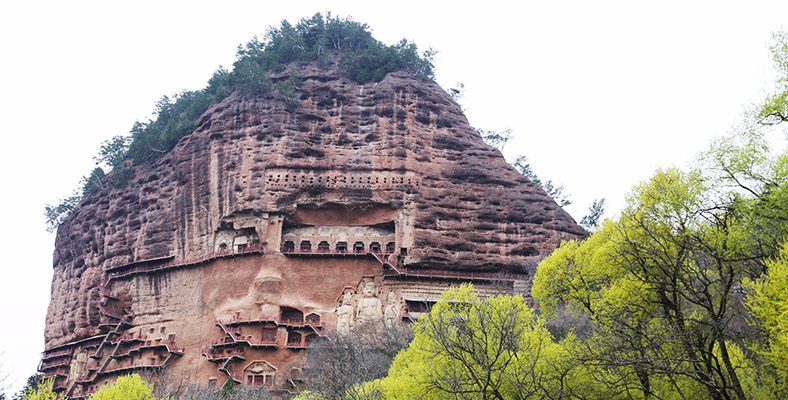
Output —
<point x="129" y="387"/>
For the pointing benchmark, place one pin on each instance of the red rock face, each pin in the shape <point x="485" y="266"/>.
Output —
<point x="396" y="159"/>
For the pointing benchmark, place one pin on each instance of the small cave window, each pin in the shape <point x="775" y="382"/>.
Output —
<point x="292" y="315"/>
<point x="374" y="247"/>
<point x="211" y="383"/>
<point x="306" y="246"/>
<point x="358" y="247"/>
<point x="390" y="247"/>
<point x="313" y="318"/>
<point x="341" y="247"/>
<point x="323" y="247"/>
<point x="289" y="246"/>
<point x="294" y="339"/>
<point x="222" y="248"/>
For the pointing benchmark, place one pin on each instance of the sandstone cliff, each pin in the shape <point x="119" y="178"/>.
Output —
<point x="400" y="146"/>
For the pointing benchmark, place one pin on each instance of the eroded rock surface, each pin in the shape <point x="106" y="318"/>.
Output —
<point x="396" y="157"/>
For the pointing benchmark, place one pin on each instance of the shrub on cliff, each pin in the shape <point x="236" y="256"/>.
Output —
<point x="322" y="39"/>
<point x="319" y="39"/>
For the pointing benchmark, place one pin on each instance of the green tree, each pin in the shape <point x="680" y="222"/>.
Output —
<point x="493" y="138"/>
<point x="595" y="212"/>
<point x="127" y="387"/>
<point x="43" y="391"/>
<point x="522" y="166"/>
<point x="472" y="348"/>
<point x="113" y="151"/>
<point x="774" y="109"/>
<point x="31" y="385"/>
<point x="768" y="304"/>
<point x="250" y="77"/>
<point x="93" y="182"/>
<point x="663" y="282"/>
<point x="55" y="214"/>
<point x="289" y="92"/>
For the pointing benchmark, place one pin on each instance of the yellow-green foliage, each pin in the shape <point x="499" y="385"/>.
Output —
<point x="768" y="303"/>
<point x="574" y="273"/>
<point x="774" y="108"/>
<point x="129" y="387"/>
<point x="43" y="392"/>
<point x="654" y="281"/>
<point x="485" y="348"/>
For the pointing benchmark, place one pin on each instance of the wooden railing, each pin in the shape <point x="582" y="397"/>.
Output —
<point x="59" y="353"/>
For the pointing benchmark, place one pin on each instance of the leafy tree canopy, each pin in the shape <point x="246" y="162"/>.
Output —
<point x="42" y="391"/>
<point x="127" y="387"/>
<point x="664" y="282"/>
<point x="323" y="39"/>
<point x="473" y="348"/>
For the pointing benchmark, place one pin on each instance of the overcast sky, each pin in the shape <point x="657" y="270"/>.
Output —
<point x="598" y="94"/>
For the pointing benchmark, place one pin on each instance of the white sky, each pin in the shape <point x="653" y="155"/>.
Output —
<point x="599" y="94"/>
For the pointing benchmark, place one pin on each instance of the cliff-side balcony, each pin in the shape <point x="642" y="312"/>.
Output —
<point x="59" y="353"/>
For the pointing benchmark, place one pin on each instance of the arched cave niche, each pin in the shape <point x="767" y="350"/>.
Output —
<point x="291" y="315"/>
<point x="313" y="319"/>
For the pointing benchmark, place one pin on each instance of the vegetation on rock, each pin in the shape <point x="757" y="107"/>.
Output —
<point x="323" y="39"/>
<point x="260" y="68"/>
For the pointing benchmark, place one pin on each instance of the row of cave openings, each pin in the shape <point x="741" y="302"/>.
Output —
<point x="339" y="179"/>
<point x="305" y="246"/>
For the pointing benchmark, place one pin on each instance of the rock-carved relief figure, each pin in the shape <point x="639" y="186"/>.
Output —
<point x="393" y="312"/>
<point x="79" y="365"/>
<point x="369" y="308"/>
<point x="345" y="314"/>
